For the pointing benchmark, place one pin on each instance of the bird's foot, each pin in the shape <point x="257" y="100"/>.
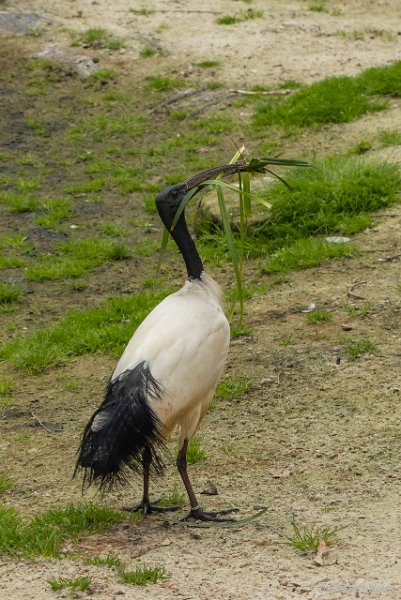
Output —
<point x="147" y="507"/>
<point x="202" y="515"/>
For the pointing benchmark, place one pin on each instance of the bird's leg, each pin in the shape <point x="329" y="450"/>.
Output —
<point x="146" y="506"/>
<point x="197" y="511"/>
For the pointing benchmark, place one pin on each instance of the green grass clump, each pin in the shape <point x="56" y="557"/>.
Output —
<point x="9" y="294"/>
<point x="318" y="316"/>
<point x="239" y="18"/>
<point x="5" y="483"/>
<point x="208" y="64"/>
<point x="104" y="128"/>
<point x="390" y="138"/>
<point x="100" y="38"/>
<point x="307" y="538"/>
<point x="75" y="258"/>
<point x="332" y="100"/>
<point x="160" y="83"/>
<point x="19" y="203"/>
<point x="330" y="199"/>
<point x="111" y="560"/>
<point x="355" y="349"/>
<point x="195" y="452"/>
<point x="106" y="328"/>
<point x="233" y="387"/>
<point x="304" y="254"/>
<point x="143" y="575"/>
<point x="79" y="583"/>
<point x="44" y="534"/>
<point x="174" y="498"/>
<point x="53" y="211"/>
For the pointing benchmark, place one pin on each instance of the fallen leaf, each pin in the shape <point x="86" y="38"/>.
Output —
<point x="321" y="551"/>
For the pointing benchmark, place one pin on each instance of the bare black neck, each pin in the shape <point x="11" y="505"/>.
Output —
<point x="186" y="245"/>
<point x="167" y="204"/>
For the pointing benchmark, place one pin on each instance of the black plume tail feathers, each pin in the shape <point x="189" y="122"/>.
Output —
<point x="121" y="429"/>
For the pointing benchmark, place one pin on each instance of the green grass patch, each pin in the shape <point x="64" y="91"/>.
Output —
<point x="5" y="483"/>
<point x="208" y="64"/>
<point x="44" y="534"/>
<point x="332" y="100"/>
<point x="98" y="37"/>
<point x="195" y="452"/>
<point x="106" y="328"/>
<point x="78" y="584"/>
<point x="249" y="15"/>
<point x="174" y="498"/>
<point x="304" y="254"/>
<point x="358" y="311"/>
<point x="19" y="203"/>
<point x="233" y="387"/>
<point x="161" y="83"/>
<point x="76" y="258"/>
<point x="318" y="316"/>
<point x="9" y="294"/>
<point x="104" y="75"/>
<point x="105" y="128"/>
<point x="355" y="349"/>
<point x="143" y="575"/>
<point x="111" y="560"/>
<point x="390" y="138"/>
<point x="306" y="539"/>
<point x="53" y="211"/>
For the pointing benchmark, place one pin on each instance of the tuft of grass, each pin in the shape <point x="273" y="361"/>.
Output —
<point x="106" y="328"/>
<point x="45" y="533"/>
<point x="306" y="539"/>
<point x="98" y="37"/>
<point x="79" y="583"/>
<point x="104" y="74"/>
<point x="111" y="560"/>
<point x="104" y="127"/>
<point x="355" y="349"/>
<point x="306" y="253"/>
<point x="361" y="147"/>
<point x="195" y="452"/>
<point x="75" y="258"/>
<point x="19" y="203"/>
<point x="9" y="294"/>
<point x="248" y="15"/>
<point x="390" y="138"/>
<point x="160" y="83"/>
<point x="149" y="51"/>
<point x="174" y="498"/>
<point x="358" y="312"/>
<point x="318" y="316"/>
<point x="208" y="64"/>
<point x="338" y="99"/>
<point x="5" y="483"/>
<point x="233" y="387"/>
<point x="53" y="211"/>
<point x="6" y="387"/>
<point x="143" y="575"/>
<point x="332" y="100"/>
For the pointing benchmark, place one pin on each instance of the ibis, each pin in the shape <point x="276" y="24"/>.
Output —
<point x="166" y="376"/>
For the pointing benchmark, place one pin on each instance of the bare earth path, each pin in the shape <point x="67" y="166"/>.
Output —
<point x="334" y="425"/>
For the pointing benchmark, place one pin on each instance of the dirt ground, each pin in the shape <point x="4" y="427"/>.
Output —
<point x="318" y="436"/>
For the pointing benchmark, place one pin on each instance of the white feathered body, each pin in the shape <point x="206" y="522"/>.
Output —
<point x="184" y="341"/>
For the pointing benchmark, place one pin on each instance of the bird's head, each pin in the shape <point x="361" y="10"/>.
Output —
<point x="168" y="202"/>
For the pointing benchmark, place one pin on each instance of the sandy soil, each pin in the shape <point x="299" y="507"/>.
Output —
<point x="333" y="425"/>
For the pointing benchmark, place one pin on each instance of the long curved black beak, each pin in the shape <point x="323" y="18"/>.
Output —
<point x="202" y="176"/>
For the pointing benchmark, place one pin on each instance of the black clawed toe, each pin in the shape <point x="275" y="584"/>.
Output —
<point x="147" y="507"/>
<point x="202" y="515"/>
